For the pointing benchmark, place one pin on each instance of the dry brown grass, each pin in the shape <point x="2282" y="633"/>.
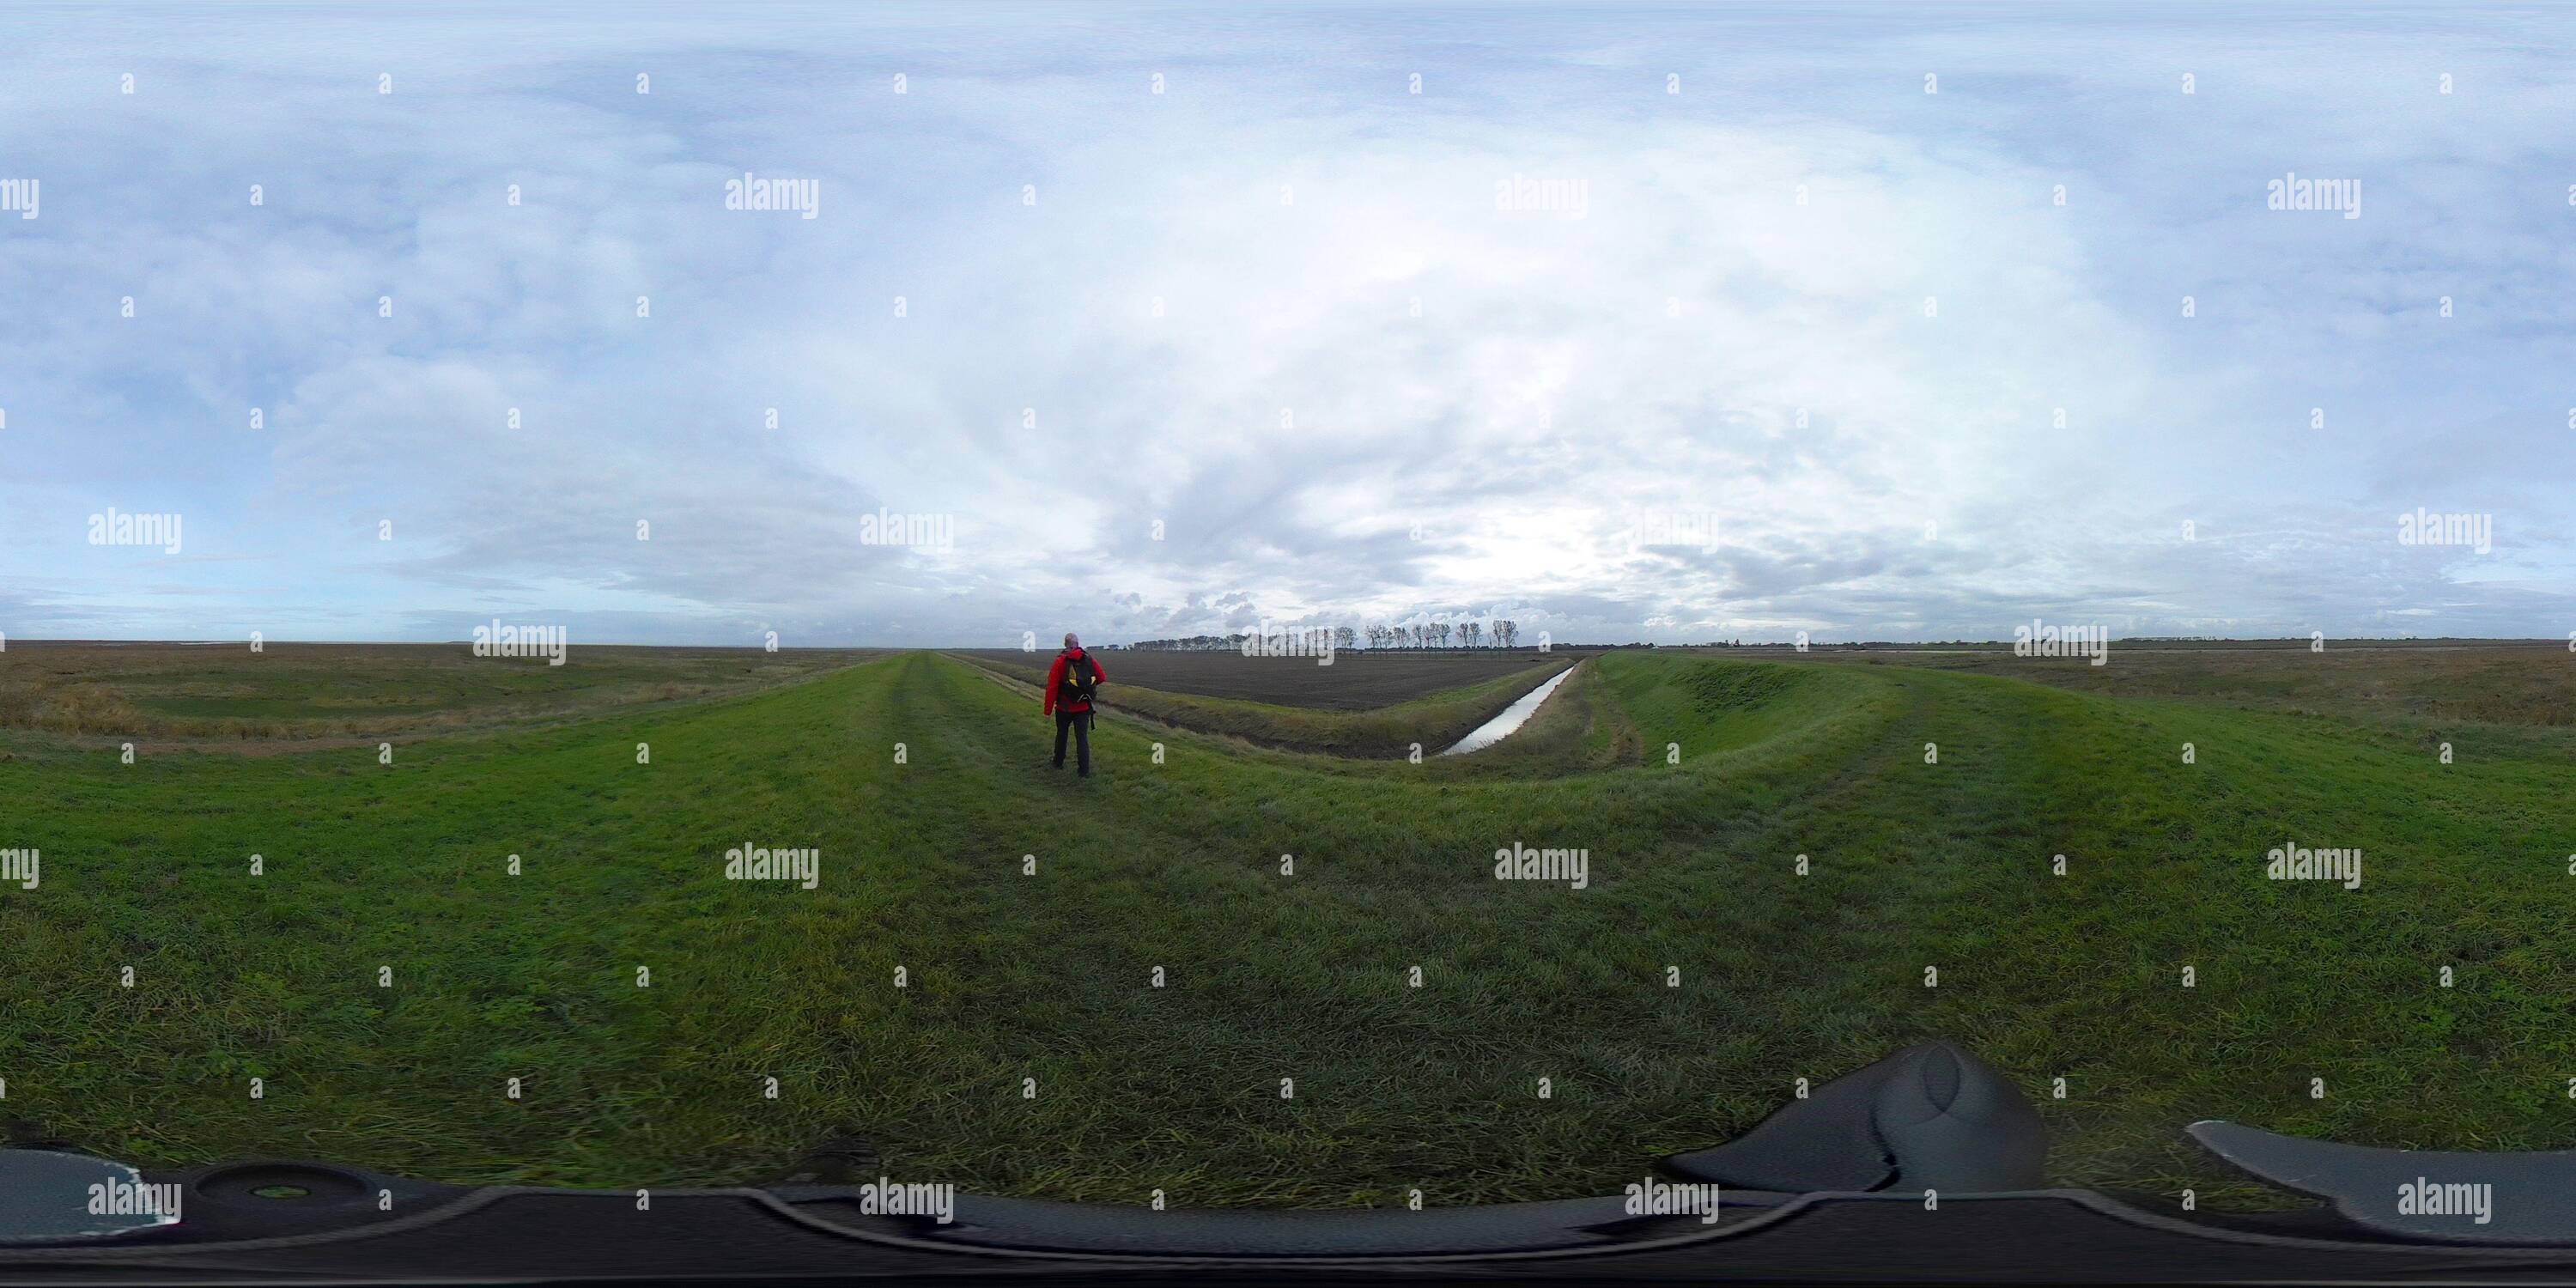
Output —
<point x="309" y="694"/>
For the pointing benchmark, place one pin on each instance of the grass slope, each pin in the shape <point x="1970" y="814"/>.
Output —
<point x="1272" y="975"/>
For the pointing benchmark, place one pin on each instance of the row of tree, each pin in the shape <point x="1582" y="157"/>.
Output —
<point x="1500" y="633"/>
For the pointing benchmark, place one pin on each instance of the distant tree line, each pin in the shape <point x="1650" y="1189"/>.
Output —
<point x="1501" y="632"/>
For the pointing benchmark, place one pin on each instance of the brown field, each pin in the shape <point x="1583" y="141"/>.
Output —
<point x="226" y="694"/>
<point x="1358" y="680"/>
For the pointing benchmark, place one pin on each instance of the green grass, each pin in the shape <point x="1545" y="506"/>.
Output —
<point x="1272" y="975"/>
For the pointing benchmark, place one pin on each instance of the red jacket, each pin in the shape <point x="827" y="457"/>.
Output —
<point x="1055" y="679"/>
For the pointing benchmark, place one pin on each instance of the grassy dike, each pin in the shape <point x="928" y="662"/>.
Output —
<point x="1271" y="976"/>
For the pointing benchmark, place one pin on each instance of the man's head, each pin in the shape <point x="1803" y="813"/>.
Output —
<point x="1070" y="641"/>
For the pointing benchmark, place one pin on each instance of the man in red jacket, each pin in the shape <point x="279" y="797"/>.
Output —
<point x="1070" y="683"/>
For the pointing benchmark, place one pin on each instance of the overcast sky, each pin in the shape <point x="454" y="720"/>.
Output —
<point x="1629" y="324"/>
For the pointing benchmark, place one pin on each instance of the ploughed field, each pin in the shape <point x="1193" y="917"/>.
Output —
<point x="970" y="981"/>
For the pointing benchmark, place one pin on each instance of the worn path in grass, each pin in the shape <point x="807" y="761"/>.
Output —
<point x="1271" y="975"/>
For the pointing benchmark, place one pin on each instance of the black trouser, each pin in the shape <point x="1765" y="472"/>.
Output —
<point x="1080" y="723"/>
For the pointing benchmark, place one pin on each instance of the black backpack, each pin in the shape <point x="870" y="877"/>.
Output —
<point x="1081" y="681"/>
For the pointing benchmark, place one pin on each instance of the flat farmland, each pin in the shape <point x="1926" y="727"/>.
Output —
<point x="1358" y="680"/>
<point x="2509" y="682"/>
<point x="288" y="692"/>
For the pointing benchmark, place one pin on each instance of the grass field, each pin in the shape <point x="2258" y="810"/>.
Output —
<point x="1268" y="974"/>
<point x="2518" y="683"/>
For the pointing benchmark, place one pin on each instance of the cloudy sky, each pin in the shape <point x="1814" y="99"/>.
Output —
<point x="1625" y="323"/>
